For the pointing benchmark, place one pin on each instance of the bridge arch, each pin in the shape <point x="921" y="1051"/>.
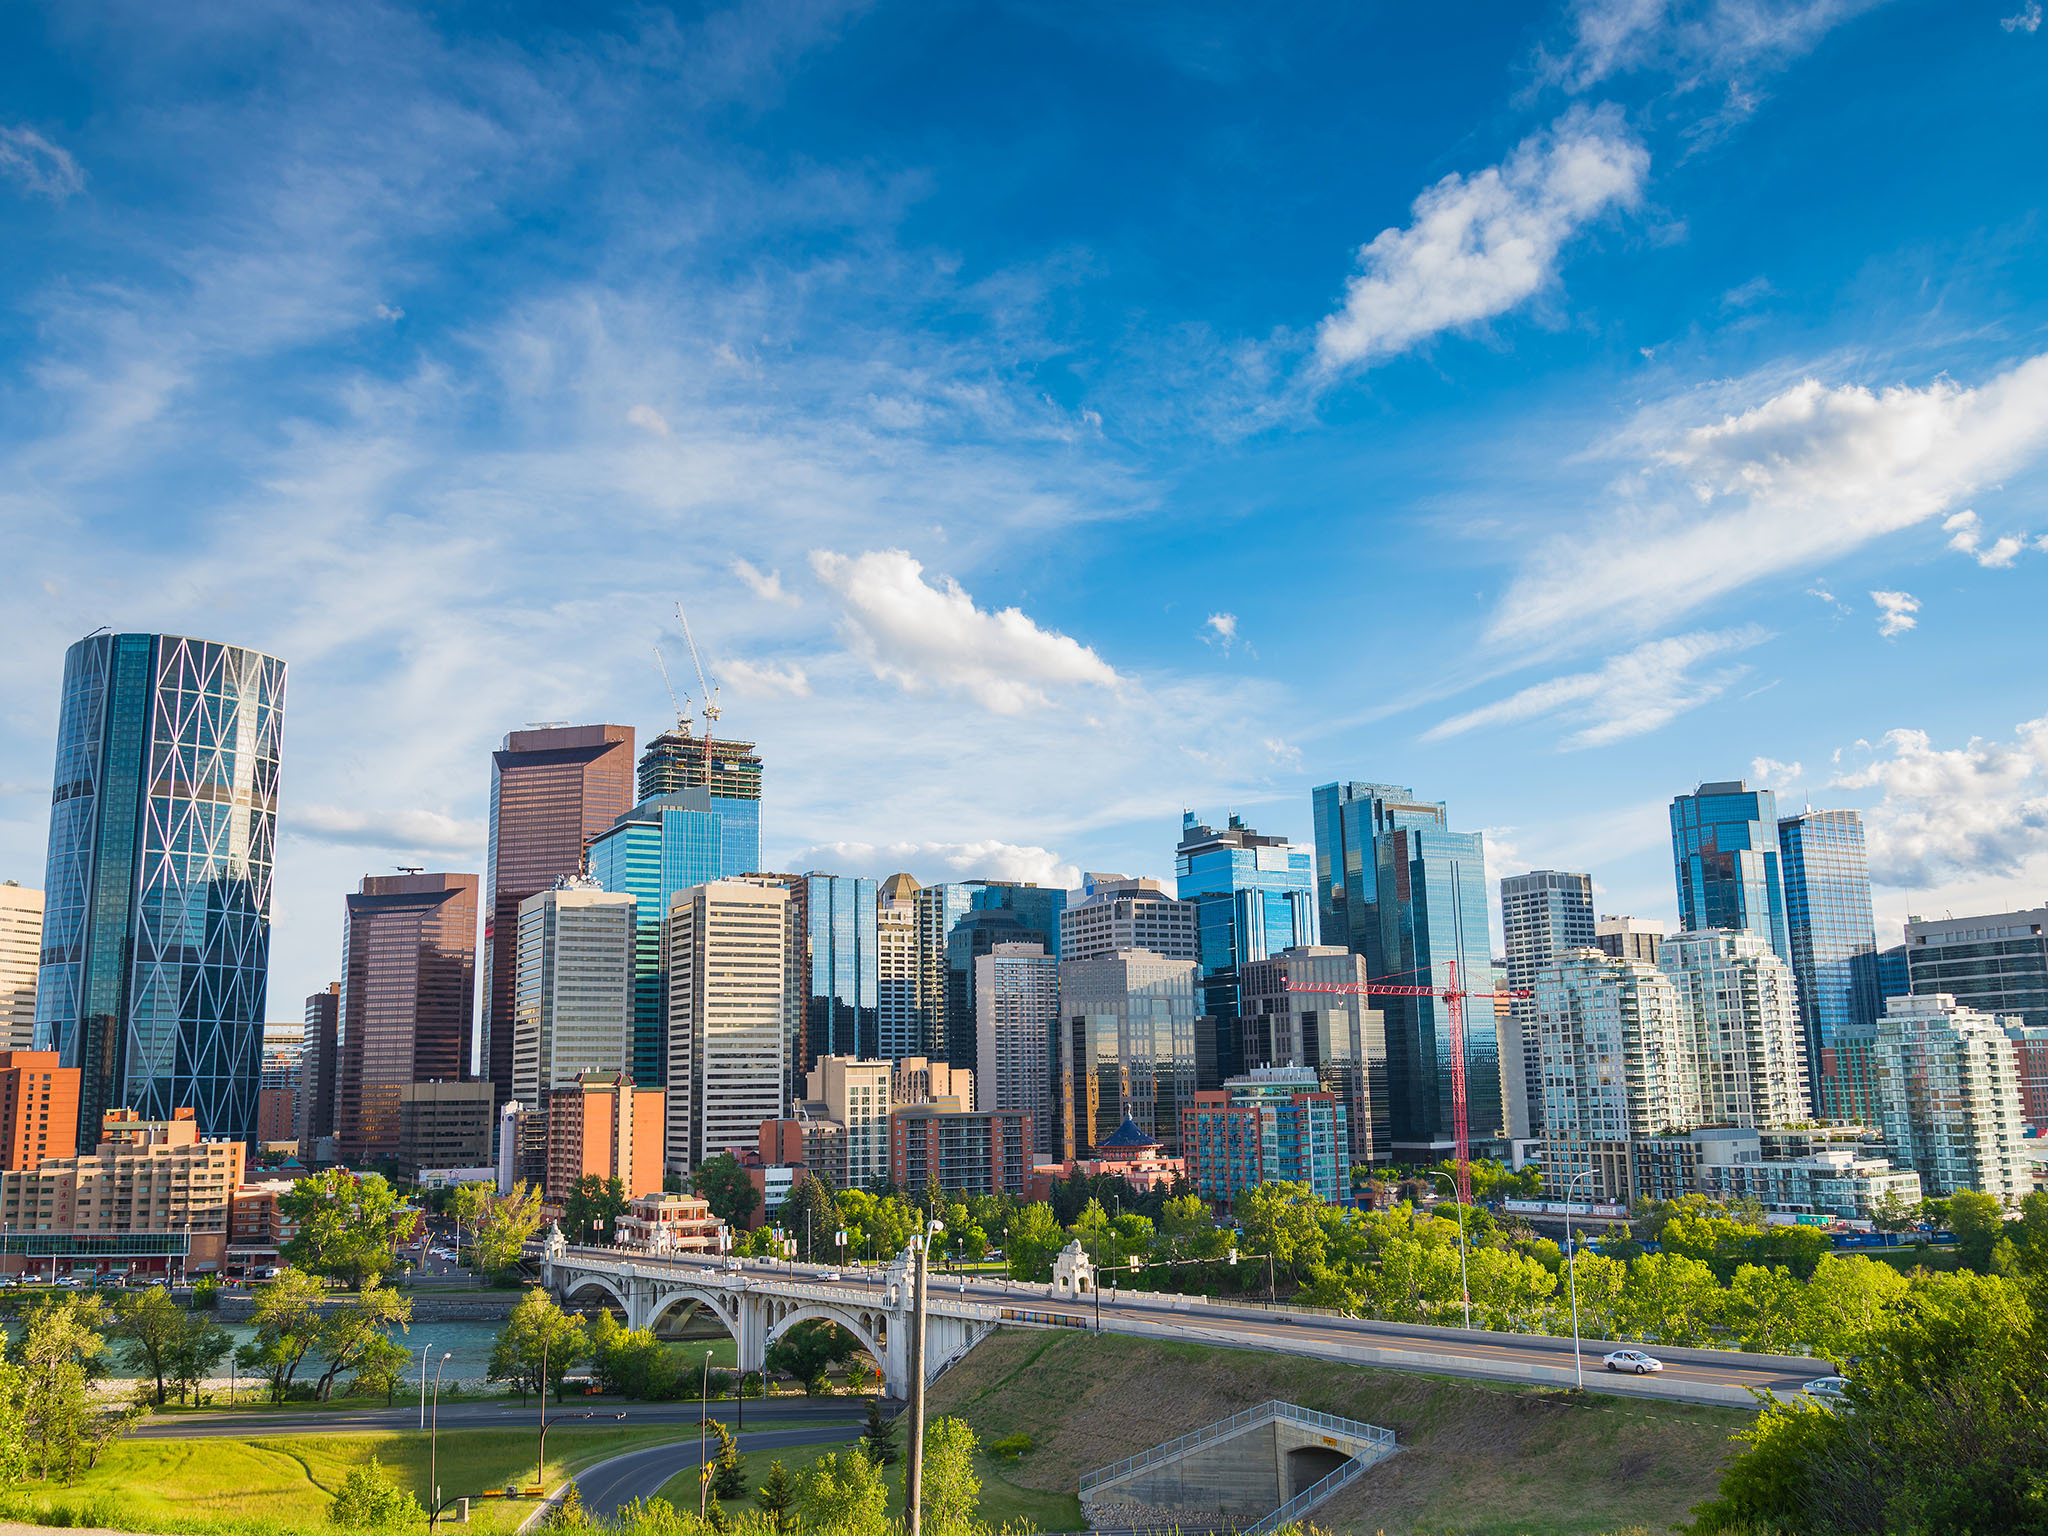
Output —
<point x="666" y="1300"/>
<point x="578" y="1284"/>
<point x="869" y="1326"/>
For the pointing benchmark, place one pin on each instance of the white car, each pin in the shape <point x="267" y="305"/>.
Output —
<point x="830" y="1274"/>
<point x="1633" y="1360"/>
<point x="1827" y="1390"/>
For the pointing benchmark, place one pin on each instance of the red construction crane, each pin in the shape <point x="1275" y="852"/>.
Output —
<point x="1455" y="996"/>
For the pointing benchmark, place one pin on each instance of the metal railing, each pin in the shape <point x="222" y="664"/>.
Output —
<point x="1315" y="1493"/>
<point x="1381" y="1439"/>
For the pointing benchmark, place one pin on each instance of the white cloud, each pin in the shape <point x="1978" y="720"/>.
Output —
<point x="1810" y="472"/>
<point x="1478" y="246"/>
<point x="988" y="859"/>
<point x="423" y="831"/>
<point x="1768" y="770"/>
<point x="1283" y="754"/>
<point x="1633" y="693"/>
<point x="40" y="166"/>
<point x="923" y="637"/>
<point x="2026" y="19"/>
<point x="766" y="586"/>
<point x="1895" y="612"/>
<point x="1971" y="811"/>
<point x="648" y="419"/>
<point x="389" y="312"/>
<point x="1966" y="536"/>
<point x="1222" y="630"/>
<point x="750" y="677"/>
<point x="1693" y="39"/>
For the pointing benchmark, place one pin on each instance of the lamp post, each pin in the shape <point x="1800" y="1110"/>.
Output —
<point x="540" y="1465"/>
<point x="434" y="1442"/>
<point x="425" y="1351"/>
<point x="703" y="1426"/>
<point x="1464" y="1276"/>
<point x="913" y="1481"/>
<point x="1571" y="1260"/>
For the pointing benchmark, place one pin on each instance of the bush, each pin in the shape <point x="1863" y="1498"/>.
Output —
<point x="368" y="1501"/>
<point x="1010" y="1447"/>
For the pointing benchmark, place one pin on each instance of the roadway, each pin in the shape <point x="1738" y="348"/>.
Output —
<point x="611" y="1485"/>
<point x="1356" y="1340"/>
<point x="492" y="1413"/>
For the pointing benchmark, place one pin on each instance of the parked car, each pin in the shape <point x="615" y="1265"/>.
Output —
<point x="1633" y="1360"/>
<point x="1829" y="1391"/>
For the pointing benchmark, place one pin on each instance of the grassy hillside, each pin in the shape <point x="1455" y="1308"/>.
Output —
<point x="1477" y="1459"/>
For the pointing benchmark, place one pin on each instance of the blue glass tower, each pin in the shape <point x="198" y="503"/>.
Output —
<point x="1834" y="957"/>
<point x="1036" y="906"/>
<point x="156" y="927"/>
<point x="1254" y="896"/>
<point x="665" y="844"/>
<point x="1724" y="847"/>
<point x="842" y="1012"/>
<point x="1350" y="820"/>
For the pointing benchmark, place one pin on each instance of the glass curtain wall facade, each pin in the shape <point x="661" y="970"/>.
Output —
<point x="1350" y="820"/>
<point x="1997" y="963"/>
<point x="939" y="909"/>
<point x="1834" y="958"/>
<point x="1339" y="1036"/>
<point x="1126" y="1046"/>
<point x="897" y="968"/>
<point x="553" y="790"/>
<point x="163" y="825"/>
<point x="841" y="970"/>
<point x="1037" y="907"/>
<point x="975" y="934"/>
<point x="1724" y="847"/>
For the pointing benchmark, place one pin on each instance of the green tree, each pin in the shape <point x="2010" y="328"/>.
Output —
<point x="810" y="1218"/>
<point x="348" y="1226"/>
<point x="1035" y="1241"/>
<point x="1845" y="1302"/>
<point x="538" y="1345"/>
<point x="878" y="1439"/>
<point x="1670" y="1299"/>
<point x="843" y="1495"/>
<point x="1765" y="1310"/>
<point x="725" y="1186"/>
<point x="1978" y="1222"/>
<point x="467" y="1203"/>
<point x="777" y="1497"/>
<point x="952" y="1491"/>
<point x="198" y="1351"/>
<point x="146" y="1329"/>
<point x="503" y="1231"/>
<point x="352" y="1328"/>
<point x="728" y="1472"/>
<point x="59" y="1353"/>
<point x="16" y="1431"/>
<point x="381" y="1366"/>
<point x="1279" y="1222"/>
<point x="593" y="1209"/>
<point x="1893" y="1212"/>
<point x="809" y="1350"/>
<point x="286" y="1322"/>
<point x="367" y="1500"/>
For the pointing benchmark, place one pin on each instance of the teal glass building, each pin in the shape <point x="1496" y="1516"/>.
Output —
<point x="163" y="829"/>
<point x="842" y="1008"/>
<point x="1834" y="957"/>
<point x="1725" y="852"/>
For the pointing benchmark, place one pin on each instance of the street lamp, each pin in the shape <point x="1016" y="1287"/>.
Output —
<point x="425" y="1351"/>
<point x="1464" y="1275"/>
<point x="913" y="1481"/>
<point x="703" y="1425"/>
<point x="434" y="1442"/>
<point x="1571" y="1260"/>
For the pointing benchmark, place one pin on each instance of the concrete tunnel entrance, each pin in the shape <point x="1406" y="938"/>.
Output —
<point x="1310" y="1465"/>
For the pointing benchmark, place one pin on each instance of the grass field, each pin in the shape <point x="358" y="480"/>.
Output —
<point x="1477" y="1459"/>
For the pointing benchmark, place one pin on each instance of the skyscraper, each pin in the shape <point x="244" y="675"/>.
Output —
<point x="1995" y="963"/>
<point x="1017" y="1001"/>
<point x="975" y="934"/>
<point x="1745" y="1015"/>
<point x="1115" y="913"/>
<point x="319" y="1060"/>
<point x="939" y="908"/>
<point x="1340" y="1036"/>
<point x="1254" y="896"/>
<point x="1628" y="938"/>
<point x="156" y="925"/>
<point x="1949" y="1098"/>
<point x="896" y="968"/>
<point x="408" y="990"/>
<point x="1125" y="1046"/>
<point x="841" y="974"/>
<point x="21" y="950"/>
<point x="572" y="992"/>
<point x="1037" y="907"/>
<point x="1724" y="846"/>
<point x="553" y="789"/>
<point x="1349" y="821"/>
<point x="1542" y="915"/>
<point x="724" y="948"/>
<point x="1834" y="956"/>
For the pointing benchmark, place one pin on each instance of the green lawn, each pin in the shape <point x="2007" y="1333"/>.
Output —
<point x="1003" y="1502"/>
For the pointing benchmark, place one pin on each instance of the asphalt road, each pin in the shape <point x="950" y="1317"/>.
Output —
<point x="1151" y="1313"/>
<point x="611" y="1485"/>
<point x="493" y="1414"/>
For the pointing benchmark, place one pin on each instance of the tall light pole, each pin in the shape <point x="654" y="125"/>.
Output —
<point x="1464" y="1275"/>
<point x="703" y="1426"/>
<point x="434" y="1442"/>
<point x="540" y="1465"/>
<point x="425" y="1351"/>
<point x="1571" y="1260"/>
<point x="913" y="1481"/>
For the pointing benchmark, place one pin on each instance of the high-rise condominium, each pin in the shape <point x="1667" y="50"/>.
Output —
<point x="553" y="789"/>
<point x="691" y="824"/>
<point x="156" y="924"/>
<point x="1017" y="1000"/>
<point x="1126" y="1046"/>
<point x="1834" y="956"/>
<point x="1254" y="896"/>
<point x="1542" y="915"/>
<point x="1948" y="1094"/>
<point x="1744" y="1008"/>
<point x="1620" y="1059"/>
<point x="319" y="1061"/>
<point x="572" y="993"/>
<point x="1338" y="1035"/>
<point x="1997" y="963"/>
<point x="724" y="948"/>
<point x="1116" y="912"/>
<point x="21" y="951"/>
<point x="1724" y="847"/>
<point x="408" y="989"/>
<point x="896" y="968"/>
<point x="1628" y="938"/>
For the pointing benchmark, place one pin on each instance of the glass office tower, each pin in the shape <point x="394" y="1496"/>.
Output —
<point x="1124" y="1045"/>
<point x="1037" y="907"/>
<point x="156" y="928"/>
<point x="1349" y="821"/>
<point x="1724" y="847"/>
<point x="1254" y="896"/>
<point x="1834" y="958"/>
<point x="841" y="971"/>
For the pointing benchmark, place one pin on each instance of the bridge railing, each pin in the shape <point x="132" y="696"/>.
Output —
<point x="803" y="1287"/>
<point x="1381" y="1439"/>
<point x="1316" y="1492"/>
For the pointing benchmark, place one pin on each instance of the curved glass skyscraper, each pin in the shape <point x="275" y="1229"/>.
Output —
<point x="156" y="928"/>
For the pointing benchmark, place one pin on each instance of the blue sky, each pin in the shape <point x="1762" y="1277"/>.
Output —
<point x="1053" y="416"/>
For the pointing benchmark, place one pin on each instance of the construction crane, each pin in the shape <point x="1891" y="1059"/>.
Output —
<point x="709" y="694"/>
<point x="682" y="720"/>
<point x="1454" y="996"/>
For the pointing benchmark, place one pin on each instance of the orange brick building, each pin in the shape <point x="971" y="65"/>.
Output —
<point x="38" y="1109"/>
<point x="605" y="1126"/>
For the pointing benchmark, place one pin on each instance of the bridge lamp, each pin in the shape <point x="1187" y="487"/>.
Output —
<point x="1233" y="1257"/>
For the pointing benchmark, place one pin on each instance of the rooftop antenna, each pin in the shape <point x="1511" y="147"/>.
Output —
<point x="682" y="721"/>
<point x="709" y="694"/>
<point x="410" y="869"/>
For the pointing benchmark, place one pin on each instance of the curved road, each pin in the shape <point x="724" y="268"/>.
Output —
<point x="611" y="1485"/>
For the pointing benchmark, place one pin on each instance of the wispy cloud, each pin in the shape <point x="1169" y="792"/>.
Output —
<point x="1966" y="537"/>
<point x="37" y="165"/>
<point x="2026" y="19"/>
<point x="758" y="677"/>
<point x="402" y="830"/>
<point x="1768" y="770"/>
<point x="1479" y="246"/>
<point x="1692" y="39"/>
<point x="1220" y="629"/>
<point x="1632" y="694"/>
<point x="1896" y="612"/>
<point x="766" y="585"/>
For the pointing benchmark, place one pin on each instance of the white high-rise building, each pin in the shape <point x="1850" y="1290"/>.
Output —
<point x="1017" y="1003"/>
<point x="1629" y="938"/>
<point x="896" y="967"/>
<point x="1744" y="1006"/>
<point x="856" y="1095"/>
<point x="1543" y="914"/>
<point x="572" y="989"/>
<point x="723" y="950"/>
<point x="1618" y="1053"/>
<point x="1116" y="913"/>
<point x="21" y="958"/>
<point x="1948" y="1094"/>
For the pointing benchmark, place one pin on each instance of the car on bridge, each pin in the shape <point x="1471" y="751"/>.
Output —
<point x="1828" y="1391"/>
<point x="1633" y="1360"/>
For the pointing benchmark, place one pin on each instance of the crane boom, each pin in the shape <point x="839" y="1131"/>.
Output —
<point x="709" y="693"/>
<point x="682" y="723"/>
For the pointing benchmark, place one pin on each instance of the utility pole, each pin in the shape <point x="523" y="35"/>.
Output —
<point x="913" y="1481"/>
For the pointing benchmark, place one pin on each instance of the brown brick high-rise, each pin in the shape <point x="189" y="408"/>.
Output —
<point x="553" y="788"/>
<point x="38" y="1108"/>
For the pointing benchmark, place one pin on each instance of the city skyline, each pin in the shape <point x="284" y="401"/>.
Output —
<point x="1009" y="454"/>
